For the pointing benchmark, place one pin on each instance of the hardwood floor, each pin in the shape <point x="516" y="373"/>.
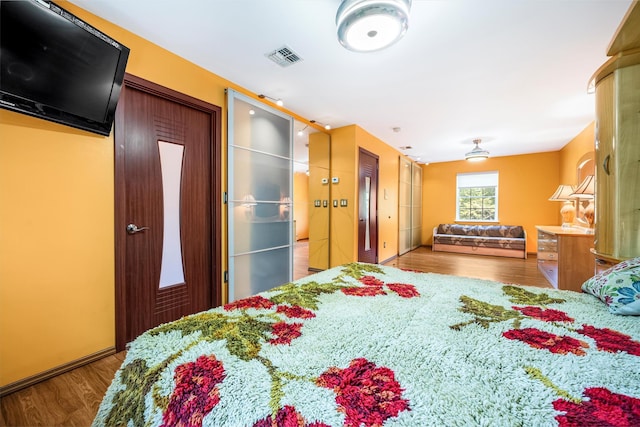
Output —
<point x="506" y="270"/>
<point x="72" y="399"/>
<point x="301" y="259"/>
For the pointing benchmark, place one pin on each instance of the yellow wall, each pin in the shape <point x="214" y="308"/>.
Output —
<point x="56" y="249"/>
<point x="525" y="183"/>
<point x="575" y="150"/>
<point x="345" y="143"/>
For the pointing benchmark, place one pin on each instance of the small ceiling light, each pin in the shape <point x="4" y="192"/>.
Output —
<point x="252" y="112"/>
<point x="327" y="127"/>
<point x="301" y="131"/>
<point x="278" y="101"/>
<point x="477" y="153"/>
<point x="371" y="25"/>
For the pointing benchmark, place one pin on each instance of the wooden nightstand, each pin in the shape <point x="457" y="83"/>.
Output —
<point x="564" y="256"/>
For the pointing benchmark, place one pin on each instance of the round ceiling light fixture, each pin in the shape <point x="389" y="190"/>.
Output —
<point x="371" y="25"/>
<point x="477" y="153"/>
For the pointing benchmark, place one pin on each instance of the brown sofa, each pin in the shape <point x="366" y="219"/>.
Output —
<point x="496" y="240"/>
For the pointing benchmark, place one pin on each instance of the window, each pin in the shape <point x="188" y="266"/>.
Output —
<point x="477" y="197"/>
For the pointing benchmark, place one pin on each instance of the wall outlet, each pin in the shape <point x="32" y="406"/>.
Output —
<point x="335" y="180"/>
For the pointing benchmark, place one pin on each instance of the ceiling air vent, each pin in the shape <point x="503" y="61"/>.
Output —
<point x="284" y="56"/>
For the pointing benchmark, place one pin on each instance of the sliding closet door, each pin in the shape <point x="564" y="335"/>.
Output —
<point x="416" y="205"/>
<point x="260" y="201"/>
<point x="404" y="207"/>
<point x="409" y="206"/>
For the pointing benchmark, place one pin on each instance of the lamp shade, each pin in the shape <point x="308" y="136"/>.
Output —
<point x="371" y="25"/>
<point x="562" y="193"/>
<point x="586" y="189"/>
<point x="477" y="153"/>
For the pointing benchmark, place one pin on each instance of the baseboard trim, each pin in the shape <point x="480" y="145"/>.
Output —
<point x="388" y="260"/>
<point x="34" y="379"/>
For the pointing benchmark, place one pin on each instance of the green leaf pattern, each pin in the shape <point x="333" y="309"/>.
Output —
<point x="243" y="335"/>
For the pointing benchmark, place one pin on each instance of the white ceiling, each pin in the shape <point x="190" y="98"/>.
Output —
<point x="512" y="72"/>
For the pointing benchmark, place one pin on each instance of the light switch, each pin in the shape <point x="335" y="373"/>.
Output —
<point x="317" y="203"/>
<point x="335" y="203"/>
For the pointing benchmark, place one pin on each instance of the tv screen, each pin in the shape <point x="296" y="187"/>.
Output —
<point x="56" y="67"/>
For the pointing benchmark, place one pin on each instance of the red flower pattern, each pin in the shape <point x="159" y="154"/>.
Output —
<point x="371" y="281"/>
<point x="368" y="395"/>
<point x="366" y="291"/>
<point x="610" y="340"/>
<point x="375" y="287"/>
<point x="548" y="315"/>
<point x="195" y="393"/>
<point x="251" y="302"/>
<point x="295" y="311"/>
<point x="404" y="290"/>
<point x="287" y="417"/>
<point x="545" y="340"/>
<point x="285" y="332"/>
<point x="603" y="408"/>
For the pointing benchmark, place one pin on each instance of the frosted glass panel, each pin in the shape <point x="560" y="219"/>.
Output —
<point x="260" y="272"/>
<point x="265" y="177"/>
<point x="405" y="194"/>
<point x="416" y="237"/>
<point x="367" y="215"/>
<point x="261" y="131"/>
<point x="405" y="240"/>
<point x="252" y="234"/>
<point x="405" y="217"/>
<point x="171" y="269"/>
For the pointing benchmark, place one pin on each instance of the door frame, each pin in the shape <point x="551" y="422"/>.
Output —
<point x="120" y="197"/>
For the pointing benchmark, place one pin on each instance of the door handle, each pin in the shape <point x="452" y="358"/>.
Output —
<point x="133" y="229"/>
<point x="605" y="164"/>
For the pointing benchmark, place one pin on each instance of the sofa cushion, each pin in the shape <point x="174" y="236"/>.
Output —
<point x="507" y="231"/>
<point x="481" y="241"/>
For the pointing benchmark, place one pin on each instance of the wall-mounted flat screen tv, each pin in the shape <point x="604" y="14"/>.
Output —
<point x="57" y="67"/>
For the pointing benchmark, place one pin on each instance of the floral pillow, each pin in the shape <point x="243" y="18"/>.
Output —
<point x="618" y="287"/>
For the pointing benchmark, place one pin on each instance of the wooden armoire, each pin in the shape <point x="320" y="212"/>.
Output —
<point x="617" y="88"/>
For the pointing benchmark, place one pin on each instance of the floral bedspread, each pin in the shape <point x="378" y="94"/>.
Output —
<point x="367" y="345"/>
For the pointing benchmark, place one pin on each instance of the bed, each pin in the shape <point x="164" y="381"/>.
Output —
<point x="370" y="345"/>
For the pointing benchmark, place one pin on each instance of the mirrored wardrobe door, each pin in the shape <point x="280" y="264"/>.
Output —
<point x="311" y="200"/>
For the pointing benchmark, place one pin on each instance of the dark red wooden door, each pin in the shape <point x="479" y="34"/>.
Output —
<point x="367" y="207"/>
<point x="165" y="230"/>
